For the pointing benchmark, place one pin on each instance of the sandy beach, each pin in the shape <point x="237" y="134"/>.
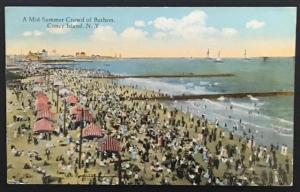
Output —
<point x="160" y="144"/>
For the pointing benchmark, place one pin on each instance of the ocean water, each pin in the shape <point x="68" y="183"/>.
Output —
<point x="270" y="119"/>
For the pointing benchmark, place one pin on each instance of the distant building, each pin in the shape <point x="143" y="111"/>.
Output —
<point x="80" y="55"/>
<point x="37" y="56"/>
<point x="96" y="56"/>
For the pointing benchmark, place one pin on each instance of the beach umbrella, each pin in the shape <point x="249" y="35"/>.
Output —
<point x="110" y="144"/>
<point x="41" y="106"/>
<point x="92" y="130"/>
<point x="45" y="114"/>
<point x="40" y="94"/>
<point x="72" y="99"/>
<point x="86" y="116"/>
<point x="43" y="125"/>
<point x="42" y="98"/>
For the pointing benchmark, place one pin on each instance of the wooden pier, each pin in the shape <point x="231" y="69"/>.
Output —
<point x="187" y="75"/>
<point x="218" y="95"/>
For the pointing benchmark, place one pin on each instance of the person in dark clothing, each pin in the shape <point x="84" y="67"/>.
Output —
<point x="217" y="162"/>
<point x="287" y="166"/>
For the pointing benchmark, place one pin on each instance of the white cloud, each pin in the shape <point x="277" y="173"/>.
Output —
<point x="192" y="26"/>
<point x="164" y="24"/>
<point x="58" y="30"/>
<point x="139" y="23"/>
<point x="27" y="33"/>
<point x="150" y="22"/>
<point x="255" y="24"/>
<point x="37" y="33"/>
<point x="159" y="35"/>
<point x="34" y="33"/>
<point x="195" y="17"/>
<point x="229" y="31"/>
<point x="104" y="33"/>
<point x="132" y="33"/>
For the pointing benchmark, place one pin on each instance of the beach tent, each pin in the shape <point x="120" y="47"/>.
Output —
<point x="92" y="130"/>
<point x="72" y="99"/>
<point x="45" y="114"/>
<point x="43" y="125"/>
<point x="110" y="144"/>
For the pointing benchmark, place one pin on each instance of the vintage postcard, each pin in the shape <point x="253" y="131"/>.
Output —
<point x="150" y="95"/>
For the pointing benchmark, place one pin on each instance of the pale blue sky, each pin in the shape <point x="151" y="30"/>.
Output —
<point x="278" y="24"/>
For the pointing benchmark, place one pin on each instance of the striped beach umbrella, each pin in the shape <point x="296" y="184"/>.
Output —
<point x="40" y="94"/>
<point x="41" y="106"/>
<point x="43" y="125"/>
<point x="92" y="130"/>
<point x="45" y="114"/>
<point x="86" y="116"/>
<point x="110" y="144"/>
<point x="42" y="100"/>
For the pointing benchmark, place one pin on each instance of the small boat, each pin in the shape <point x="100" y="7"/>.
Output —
<point x="245" y="55"/>
<point x="207" y="55"/>
<point x="219" y="59"/>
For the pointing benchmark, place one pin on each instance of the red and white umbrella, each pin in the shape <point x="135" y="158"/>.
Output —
<point x="84" y="115"/>
<point x="45" y="114"/>
<point x="40" y="94"/>
<point x="41" y="106"/>
<point x="110" y="144"/>
<point x="42" y="100"/>
<point x="92" y="130"/>
<point x="43" y="125"/>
